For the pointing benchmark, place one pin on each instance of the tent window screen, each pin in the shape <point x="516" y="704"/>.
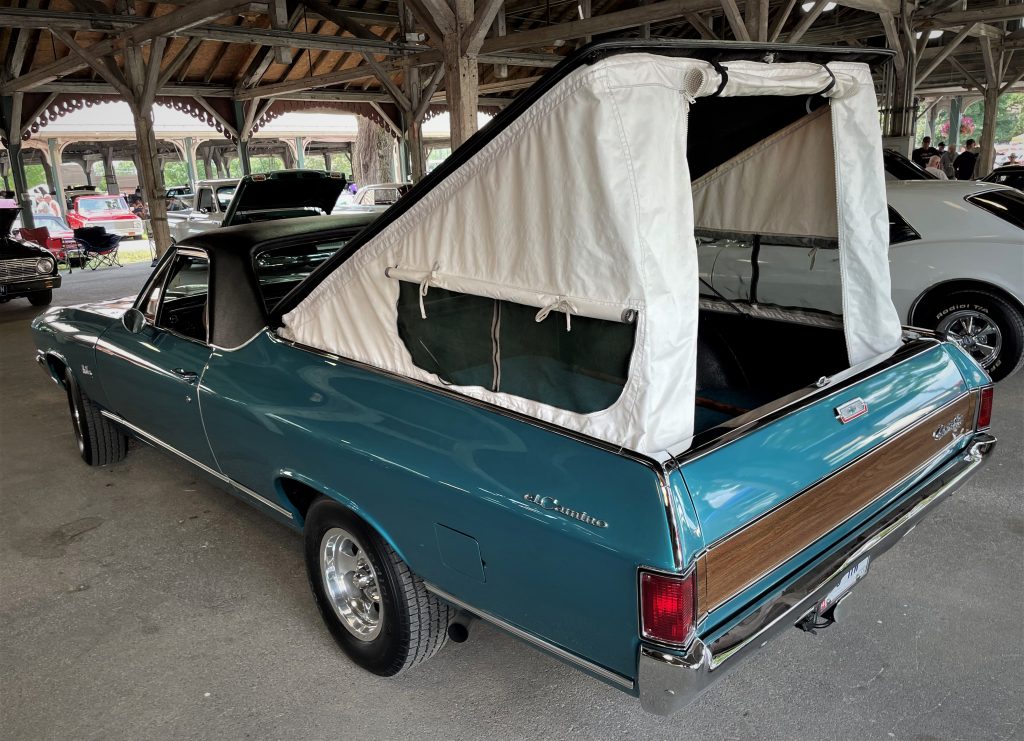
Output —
<point x="470" y="340"/>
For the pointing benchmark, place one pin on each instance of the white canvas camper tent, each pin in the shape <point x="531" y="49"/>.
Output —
<point x="553" y="272"/>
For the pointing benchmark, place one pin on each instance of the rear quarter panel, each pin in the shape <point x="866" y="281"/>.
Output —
<point x="419" y="465"/>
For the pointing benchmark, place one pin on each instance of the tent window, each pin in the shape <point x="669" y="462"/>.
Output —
<point x="470" y="340"/>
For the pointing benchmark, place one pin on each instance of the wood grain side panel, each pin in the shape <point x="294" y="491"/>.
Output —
<point x="767" y="543"/>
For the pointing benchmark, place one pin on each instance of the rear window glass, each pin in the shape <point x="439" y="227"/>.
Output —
<point x="471" y="340"/>
<point x="1008" y="205"/>
<point x="899" y="229"/>
<point x="279" y="270"/>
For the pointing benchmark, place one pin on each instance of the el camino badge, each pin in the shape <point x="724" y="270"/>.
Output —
<point x="552" y="504"/>
<point x="955" y="425"/>
<point x="851" y="409"/>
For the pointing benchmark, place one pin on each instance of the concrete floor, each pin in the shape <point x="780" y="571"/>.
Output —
<point x="139" y="602"/>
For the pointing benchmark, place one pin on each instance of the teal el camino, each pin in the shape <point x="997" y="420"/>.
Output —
<point x="506" y="400"/>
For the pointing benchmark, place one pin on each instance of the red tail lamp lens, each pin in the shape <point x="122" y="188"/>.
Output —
<point x="667" y="606"/>
<point x="985" y="411"/>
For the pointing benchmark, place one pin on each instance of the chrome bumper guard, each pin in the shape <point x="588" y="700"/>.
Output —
<point x="668" y="682"/>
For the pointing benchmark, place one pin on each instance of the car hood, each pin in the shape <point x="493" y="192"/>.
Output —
<point x="11" y="248"/>
<point x="283" y="190"/>
<point x="112" y="309"/>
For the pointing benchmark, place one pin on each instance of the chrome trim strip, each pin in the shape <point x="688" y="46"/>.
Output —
<point x="600" y="671"/>
<point x="668" y="681"/>
<point x="216" y="474"/>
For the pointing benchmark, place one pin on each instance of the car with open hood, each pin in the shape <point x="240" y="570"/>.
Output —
<point x="258" y="197"/>
<point x="27" y="270"/>
<point x="505" y="398"/>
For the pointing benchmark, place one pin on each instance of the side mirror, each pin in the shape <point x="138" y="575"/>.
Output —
<point x="133" y="320"/>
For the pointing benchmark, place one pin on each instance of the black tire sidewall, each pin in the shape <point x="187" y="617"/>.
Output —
<point x="1000" y="313"/>
<point x="385" y="655"/>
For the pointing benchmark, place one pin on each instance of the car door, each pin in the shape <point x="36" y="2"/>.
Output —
<point x="152" y="377"/>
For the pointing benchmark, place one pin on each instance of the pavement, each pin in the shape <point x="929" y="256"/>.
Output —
<point x="140" y="602"/>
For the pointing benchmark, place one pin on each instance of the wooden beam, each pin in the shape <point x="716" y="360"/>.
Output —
<point x="39" y="110"/>
<point x="19" y="44"/>
<point x="499" y="29"/>
<point x="941" y="56"/>
<point x="194" y="14"/>
<point x="757" y="19"/>
<point x="280" y="20"/>
<point x="978" y="15"/>
<point x="809" y="18"/>
<point x="1011" y="82"/>
<point x="102" y="66"/>
<point x="732" y="13"/>
<point x="156" y="55"/>
<point x="966" y="73"/>
<point x="179" y="59"/>
<point x="991" y="69"/>
<point x="483" y="19"/>
<point x="219" y="118"/>
<point x="599" y="24"/>
<point x="428" y="93"/>
<point x="780" y="22"/>
<point x="892" y="36"/>
<point x="701" y="26"/>
<point x="425" y="19"/>
<point x="441" y="12"/>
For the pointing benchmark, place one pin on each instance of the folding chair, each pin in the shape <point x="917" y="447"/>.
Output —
<point x="98" y="247"/>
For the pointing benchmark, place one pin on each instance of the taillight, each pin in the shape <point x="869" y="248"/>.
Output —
<point x="666" y="607"/>
<point x="985" y="410"/>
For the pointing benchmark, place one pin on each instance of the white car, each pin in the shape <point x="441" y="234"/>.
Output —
<point x="956" y="257"/>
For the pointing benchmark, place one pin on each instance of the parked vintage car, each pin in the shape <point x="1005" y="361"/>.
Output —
<point x="955" y="258"/>
<point x="380" y="194"/>
<point x="1011" y="175"/>
<point x="110" y="212"/>
<point x="51" y="232"/>
<point x="485" y="404"/>
<point x="258" y="197"/>
<point x="27" y="270"/>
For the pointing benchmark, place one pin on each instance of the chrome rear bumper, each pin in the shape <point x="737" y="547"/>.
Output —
<point x="668" y="682"/>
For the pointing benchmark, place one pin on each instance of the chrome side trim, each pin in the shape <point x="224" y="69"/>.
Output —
<point x="669" y="681"/>
<point x="216" y="474"/>
<point x="561" y="653"/>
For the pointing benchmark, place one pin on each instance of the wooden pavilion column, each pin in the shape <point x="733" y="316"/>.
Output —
<point x="53" y="150"/>
<point x="10" y="116"/>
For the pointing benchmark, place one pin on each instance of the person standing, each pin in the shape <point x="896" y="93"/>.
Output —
<point x="964" y="164"/>
<point x="924" y="152"/>
<point x="946" y="162"/>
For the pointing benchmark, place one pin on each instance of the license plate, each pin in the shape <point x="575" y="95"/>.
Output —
<point x="3" y="289"/>
<point x="851" y="577"/>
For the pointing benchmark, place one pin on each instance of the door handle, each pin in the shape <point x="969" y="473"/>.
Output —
<point x="189" y="377"/>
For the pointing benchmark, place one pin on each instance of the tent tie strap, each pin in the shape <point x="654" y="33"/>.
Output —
<point x="559" y="304"/>
<point x="723" y="74"/>
<point x="832" y="84"/>
<point x="429" y="280"/>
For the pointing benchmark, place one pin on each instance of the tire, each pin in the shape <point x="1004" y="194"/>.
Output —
<point x="404" y="626"/>
<point x="996" y="324"/>
<point x="41" y="298"/>
<point x="100" y="442"/>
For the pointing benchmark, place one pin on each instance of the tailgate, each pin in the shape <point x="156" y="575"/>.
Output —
<point x="772" y="499"/>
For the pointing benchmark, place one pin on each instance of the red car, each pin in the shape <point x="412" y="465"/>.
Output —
<point x="110" y="212"/>
<point x="51" y="232"/>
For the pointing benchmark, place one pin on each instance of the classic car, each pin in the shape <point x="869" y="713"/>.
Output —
<point x="27" y="270"/>
<point x="954" y="257"/>
<point x="259" y="197"/>
<point x="486" y="405"/>
<point x="380" y="194"/>
<point x="110" y="212"/>
<point x="1011" y="175"/>
<point x="51" y="232"/>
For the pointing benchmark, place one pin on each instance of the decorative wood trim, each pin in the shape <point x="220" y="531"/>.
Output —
<point x="762" y="546"/>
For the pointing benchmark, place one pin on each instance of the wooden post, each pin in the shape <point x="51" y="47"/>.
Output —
<point x="58" y="182"/>
<point x="152" y="177"/>
<point x="109" y="173"/>
<point x="190" y="161"/>
<point x="987" y="155"/>
<point x="300" y="152"/>
<point x="10" y="115"/>
<point x="244" y="164"/>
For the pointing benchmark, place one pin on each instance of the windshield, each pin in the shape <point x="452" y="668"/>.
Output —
<point x="93" y="205"/>
<point x="224" y="195"/>
<point x="53" y="223"/>
<point x="1007" y="204"/>
<point x="898" y="167"/>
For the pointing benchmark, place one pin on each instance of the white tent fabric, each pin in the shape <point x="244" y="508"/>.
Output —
<point x="585" y="201"/>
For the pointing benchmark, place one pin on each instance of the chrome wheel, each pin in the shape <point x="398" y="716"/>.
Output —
<point x="975" y="332"/>
<point x="76" y="417"/>
<point x="351" y="583"/>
